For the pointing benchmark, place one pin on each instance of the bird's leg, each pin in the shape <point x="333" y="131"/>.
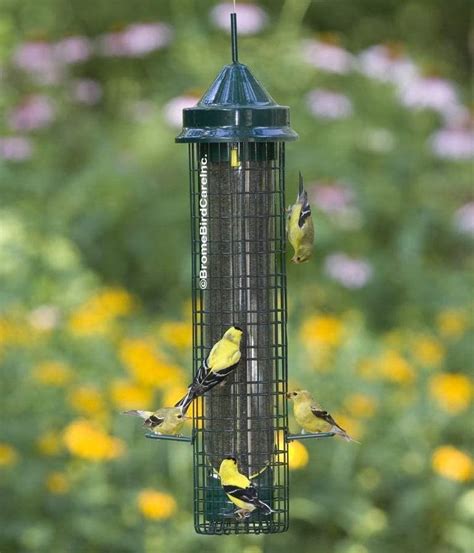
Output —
<point x="303" y="431"/>
<point x="241" y="514"/>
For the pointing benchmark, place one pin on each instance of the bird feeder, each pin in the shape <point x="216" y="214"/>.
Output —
<point x="236" y="136"/>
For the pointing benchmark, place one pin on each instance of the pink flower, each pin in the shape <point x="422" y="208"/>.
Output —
<point x="173" y="110"/>
<point x="350" y="272"/>
<point x="429" y="93"/>
<point x="329" y="105"/>
<point x="464" y="219"/>
<point x="250" y="18"/>
<point x="86" y="91"/>
<point x="387" y="65"/>
<point x="331" y="198"/>
<point x="38" y="59"/>
<point x="327" y="57"/>
<point x="15" y="148"/>
<point x="73" y="49"/>
<point x="453" y="144"/>
<point x="136" y="40"/>
<point x="35" y="112"/>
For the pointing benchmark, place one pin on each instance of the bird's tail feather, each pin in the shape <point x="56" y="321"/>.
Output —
<point x="138" y="413"/>
<point x="186" y="400"/>
<point x="344" y="435"/>
<point x="264" y="507"/>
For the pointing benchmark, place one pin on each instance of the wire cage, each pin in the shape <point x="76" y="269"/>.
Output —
<point x="236" y="136"/>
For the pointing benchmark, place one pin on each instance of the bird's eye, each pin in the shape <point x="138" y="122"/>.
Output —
<point x="179" y="416"/>
<point x="295" y="393"/>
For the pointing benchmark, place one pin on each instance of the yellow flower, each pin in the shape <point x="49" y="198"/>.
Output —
<point x="49" y="443"/>
<point x="52" y="373"/>
<point x="452" y="323"/>
<point x="140" y="357"/>
<point x="95" y="315"/>
<point x="368" y="369"/>
<point x="298" y="456"/>
<point x="352" y="426"/>
<point x="8" y="455"/>
<point x="428" y="351"/>
<point x="87" y="400"/>
<point x="57" y="483"/>
<point x="127" y="395"/>
<point x="86" y="440"/>
<point x="156" y="505"/>
<point x="176" y="334"/>
<point x="452" y="463"/>
<point x="360" y="405"/>
<point x="13" y="333"/>
<point x="452" y="392"/>
<point x="395" y="368"/>
<point x="173" y="394"/>
<point x="322" y="330"/>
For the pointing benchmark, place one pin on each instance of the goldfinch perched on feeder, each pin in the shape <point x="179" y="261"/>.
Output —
<point x="167" y="420"/>
<point x="240" y="490"/>
<point x="300" y="227"/>
<point x="222" y="360"/>
<point x="311" y="417"/>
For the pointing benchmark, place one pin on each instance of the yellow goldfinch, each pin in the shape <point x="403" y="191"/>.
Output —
<point x="311" y="417"/>
<point x="300" y="226"/>
<point x="222" y="360"/>
<point x="240" y="490"/>
<point x="167" y="420"/>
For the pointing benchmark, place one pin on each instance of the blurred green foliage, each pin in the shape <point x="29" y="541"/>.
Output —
<point x="103" y="202"/>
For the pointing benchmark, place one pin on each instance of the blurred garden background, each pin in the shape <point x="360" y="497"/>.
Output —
<point x="95" y="268"/>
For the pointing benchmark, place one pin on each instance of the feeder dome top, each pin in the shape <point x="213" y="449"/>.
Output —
<point x="236" y="107"/>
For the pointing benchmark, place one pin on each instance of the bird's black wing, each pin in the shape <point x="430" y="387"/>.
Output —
<point x="324" y="415"/>
<point x="249" y="494"/>
<point x="153" y="421"/>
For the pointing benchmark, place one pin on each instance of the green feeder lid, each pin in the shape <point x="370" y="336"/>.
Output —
<point x="235" y="108"/>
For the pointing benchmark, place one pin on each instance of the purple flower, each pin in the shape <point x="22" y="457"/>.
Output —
<point x="386" y="64"/>
<point x="73" y="49"/>
<point x="38" y="59"/>
<point x="329" y="105"/>
<point x="250" y="18"/>
<point x="464" y="219"/>
<point x="350" y="272"/>
<point x="453" y="144"/>
<point x="86" y="91"/>
<point x="15" y="148"/>
<point x="35" y="112"/>
<point x="136" y="40"/>
<point x="327" y="57"/>
<point x="429" y="93"/>
<point x="173" y="110"/>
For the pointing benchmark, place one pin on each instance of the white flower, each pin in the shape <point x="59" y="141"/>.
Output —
<point x="350" y="272"/>
<point x="329" y="105"/>
<point x="86" y="91"/>
<point x="136" y="40"/>
<point x="44" y="317"/>
<point x="384" y="64"/>
<point x="15" y="148"/>
<point x="327" y="57"/>
<point x="173" y="110"/>
<point x="35" y="112"/>
<point x="464" y="219"/>
<point x="453" y="144"/>
<point x="429" y="93"/>
<point x="73" y="49"/>
<point x="250" y="18"/>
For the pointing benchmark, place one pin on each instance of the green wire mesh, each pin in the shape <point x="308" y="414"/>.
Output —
<point x="238" y="272"/>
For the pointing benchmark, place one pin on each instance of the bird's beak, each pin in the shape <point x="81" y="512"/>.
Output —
<point x="288" y="395"/>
